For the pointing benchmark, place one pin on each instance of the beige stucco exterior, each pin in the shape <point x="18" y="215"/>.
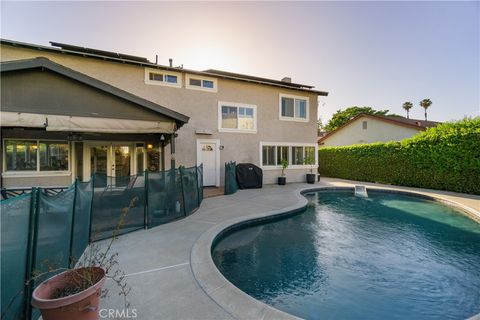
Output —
<point x="202" y="108"/>
<point x="376" y="131"/>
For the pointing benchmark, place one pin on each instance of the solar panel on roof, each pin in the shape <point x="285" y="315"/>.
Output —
<point x="99" y="52"/>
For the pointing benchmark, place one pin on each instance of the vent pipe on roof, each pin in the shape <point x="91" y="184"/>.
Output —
<point x="156" y="59"/>
<point x="170" y="61"/>
<point x="287" y="79"/>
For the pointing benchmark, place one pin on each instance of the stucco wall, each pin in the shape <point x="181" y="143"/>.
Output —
<point x="377" y="131"/>
<point x="202" y="108"/>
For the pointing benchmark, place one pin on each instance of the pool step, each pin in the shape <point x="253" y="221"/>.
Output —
<point x="361" y="191"/>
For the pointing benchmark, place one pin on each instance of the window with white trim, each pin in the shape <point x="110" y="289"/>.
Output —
<point x="36" y="155"/>
<point x="234" y="117"/>
<point x="268" y="155"/>
<point x="163" y="77"/>
<point x="201" y="83"/>
<point x="293" y="108"/>
<point x="272" y="154"/>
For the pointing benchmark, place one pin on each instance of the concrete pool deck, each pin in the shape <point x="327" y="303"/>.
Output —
<point x="170" y="270"/>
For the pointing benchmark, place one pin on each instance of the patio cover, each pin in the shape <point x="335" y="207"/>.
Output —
<point x="84" y="124"/>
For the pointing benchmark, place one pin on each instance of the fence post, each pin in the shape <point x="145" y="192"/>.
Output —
<point x="145" y="204"/>
<point x="32" y="249"/>
<point x="180" y="169"/>
<point x="91" y="209"/>
<point x="72" y="226"/>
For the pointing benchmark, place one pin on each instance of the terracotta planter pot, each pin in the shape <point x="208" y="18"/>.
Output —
<point x="84" y="305"/>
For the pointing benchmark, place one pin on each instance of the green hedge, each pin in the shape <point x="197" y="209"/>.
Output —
<point x="446" y="157"/>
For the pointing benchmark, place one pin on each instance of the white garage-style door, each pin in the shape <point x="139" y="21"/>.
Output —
<point x="208" y="153"/>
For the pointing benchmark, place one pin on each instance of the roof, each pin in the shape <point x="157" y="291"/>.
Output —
<point x="130" y="59"/>
<point x="41" y="62"/>
<point x="400" y="121"/>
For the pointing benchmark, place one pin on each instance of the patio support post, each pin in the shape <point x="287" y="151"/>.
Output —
<point x="172" y="151"/>
<point x="145" y="206"/>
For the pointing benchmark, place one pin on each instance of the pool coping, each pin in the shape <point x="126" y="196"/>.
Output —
<point x="236" y="302"/>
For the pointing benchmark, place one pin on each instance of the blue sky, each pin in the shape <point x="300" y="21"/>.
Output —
<point x="378" y="54"/>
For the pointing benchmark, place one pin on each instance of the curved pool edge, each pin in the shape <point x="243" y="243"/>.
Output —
<point x="234" y="301"/>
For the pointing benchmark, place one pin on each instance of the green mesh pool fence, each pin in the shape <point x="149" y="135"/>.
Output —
<point x="42" y="231"/>
<point x="231" y="185"/>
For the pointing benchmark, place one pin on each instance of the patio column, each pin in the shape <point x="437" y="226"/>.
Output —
<point x="172" y="151"/>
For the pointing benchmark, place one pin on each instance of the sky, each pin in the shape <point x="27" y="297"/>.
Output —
<point x="377" y="54"/>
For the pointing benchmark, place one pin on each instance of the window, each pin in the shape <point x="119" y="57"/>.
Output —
<point x="310" y="152"/>
<point x="297" y="155"/>
<point x="164" y="78"/>
<point x="201" y="83"/>
<point x="293" y="108"/>
<point x="237" y="117"/>
<point x="364" y="125"/>
<point x="21" y="155"/>
<point x="268" y="155"/>
<point x="53" y="156"/>
<point x="282" y="154"/>
<point x="272" y="154"/>
<point x="35" y="155"/>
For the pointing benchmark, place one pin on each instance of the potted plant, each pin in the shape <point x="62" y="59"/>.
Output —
<point x="75" y="293"/>
<point x="283" y="180"/>
<point x="310" y="176"/>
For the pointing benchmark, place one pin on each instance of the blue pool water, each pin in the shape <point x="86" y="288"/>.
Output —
<point x="388" y="256"/>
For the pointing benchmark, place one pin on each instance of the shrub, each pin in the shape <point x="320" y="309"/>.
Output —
<point x="446" y="157"/>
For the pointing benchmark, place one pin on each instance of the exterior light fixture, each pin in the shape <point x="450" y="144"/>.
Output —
<point x="149" y="146"/>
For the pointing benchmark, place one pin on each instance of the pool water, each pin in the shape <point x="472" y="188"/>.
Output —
<point x="388" y="256"/>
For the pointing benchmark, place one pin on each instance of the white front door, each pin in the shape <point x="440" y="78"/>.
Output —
<point x="208" y="154"/>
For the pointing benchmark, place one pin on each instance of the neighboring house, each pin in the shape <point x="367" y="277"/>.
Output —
<point x="366" y="128"/>
<point x="70" y="111"/>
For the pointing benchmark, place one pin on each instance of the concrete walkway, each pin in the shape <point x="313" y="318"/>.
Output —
<point x="166" y="284"/>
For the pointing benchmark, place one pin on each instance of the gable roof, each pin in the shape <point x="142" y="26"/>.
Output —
<point x="141" y="61"/>
<point x="400" y="121"/>
<point x="41" y="62"/>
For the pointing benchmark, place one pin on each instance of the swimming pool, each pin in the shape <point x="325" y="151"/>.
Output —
<point x="390" y="255"/>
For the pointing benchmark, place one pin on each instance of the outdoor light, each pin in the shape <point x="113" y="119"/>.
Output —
<point x="149" y="146"/>
<point x="162" y="138"/>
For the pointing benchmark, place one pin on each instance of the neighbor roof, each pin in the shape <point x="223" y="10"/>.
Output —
<point x="396" y="120"/>
<point x="41" y="62"/>
<point x="125" y="58"/>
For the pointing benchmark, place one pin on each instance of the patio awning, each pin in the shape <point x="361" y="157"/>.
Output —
<point x="84" y="124"/>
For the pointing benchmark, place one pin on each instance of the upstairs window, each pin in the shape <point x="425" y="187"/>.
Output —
<point x="293" y="108"/>
<point x="201" y="83"/>
<point x="164" y="78"/>
<point x="235" y="117"/>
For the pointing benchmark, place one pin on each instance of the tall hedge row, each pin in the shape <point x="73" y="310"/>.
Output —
<point x="446" y="157"/>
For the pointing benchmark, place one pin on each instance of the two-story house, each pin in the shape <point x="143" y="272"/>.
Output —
<point x="68" y="111"/>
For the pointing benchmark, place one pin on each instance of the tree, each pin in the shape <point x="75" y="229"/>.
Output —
<point x="407" y="106"/>
<point x="343" y="116"/>
<point x="425" y="103"/>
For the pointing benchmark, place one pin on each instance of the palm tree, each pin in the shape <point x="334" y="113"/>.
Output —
<point x="407" y="106"/>
<point x="425" y="103"/>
